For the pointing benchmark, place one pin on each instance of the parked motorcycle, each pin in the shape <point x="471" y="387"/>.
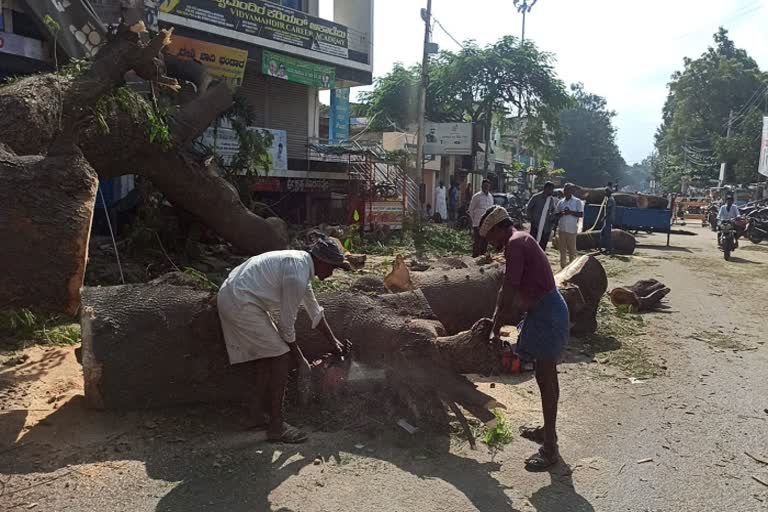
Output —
<point x="727" y="238"/>
<point x="711" y="217"/>
<point x="757" y="230"/>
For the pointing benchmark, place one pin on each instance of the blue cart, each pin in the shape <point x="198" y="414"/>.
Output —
<point x="633" y="219"/>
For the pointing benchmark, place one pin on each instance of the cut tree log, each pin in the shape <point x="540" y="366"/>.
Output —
<point x="642" y="296"/>
<point x="160" y="343"/>
<point x="46" y="209"/>
<point x="623" y="242"/>
<point x="596" y="196"/>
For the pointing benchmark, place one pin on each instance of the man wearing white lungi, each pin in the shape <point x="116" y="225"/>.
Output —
<point x="258" y="305"/>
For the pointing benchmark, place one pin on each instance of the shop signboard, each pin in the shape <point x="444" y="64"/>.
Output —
<point x="448" y="138"/>
<point x="227" y="145"/>
<point x="385" y="213"/>
<point x="296" y="70"/>
<point x="223" y="62"/>
<point x="247" y="19"/>
<point x="340" y="111"/>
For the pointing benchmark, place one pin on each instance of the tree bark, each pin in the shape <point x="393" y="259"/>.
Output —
<point x="596" y="196"/>
<point x="46" y="208"/>
<point x="583" y="283"/>
<point x="642" y="296"/>
<point x="160" y="344"/>
<point x="623" y="242"/>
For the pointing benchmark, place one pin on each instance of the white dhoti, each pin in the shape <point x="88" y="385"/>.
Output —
<point x="249" y="331"/>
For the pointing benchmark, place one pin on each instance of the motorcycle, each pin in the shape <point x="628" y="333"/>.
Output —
<point x="757" y="230"/>
<point x="727" y="239"/>
<point x="710" y="217"/>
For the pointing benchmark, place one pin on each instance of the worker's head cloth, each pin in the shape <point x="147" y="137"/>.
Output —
<point x="328" y="251"/>
<point x="492" y="217"/>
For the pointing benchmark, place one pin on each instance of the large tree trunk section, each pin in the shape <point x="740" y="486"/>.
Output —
<point x="623" y="242"/>
<point x="642" y="296"/>
<point x="583" y="283"/>
<point x="46" y="209"/>
<point x="160" y="344"/>
<point x="596" y="196"/>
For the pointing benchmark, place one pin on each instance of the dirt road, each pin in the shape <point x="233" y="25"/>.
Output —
<point x="658" y="414"/>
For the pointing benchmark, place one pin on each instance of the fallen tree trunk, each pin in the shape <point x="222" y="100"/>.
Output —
<point x="46" y="208"/>
<point x="642" y="296"/>
<point x="623" y="242"/>
<point x="160" y="343"/>
<point x="596" y="196"/>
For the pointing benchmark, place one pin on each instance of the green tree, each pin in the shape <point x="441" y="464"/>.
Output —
<point x="691" y="140"/>
<point x="638" y="176"/>
<point x="588" y="150"/>
<point x="473" y="85"/>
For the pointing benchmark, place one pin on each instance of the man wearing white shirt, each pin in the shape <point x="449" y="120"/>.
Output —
<point x="258" y="305"/>
<point x="570" y="209"/>
<point x="728" y="211"/>
<point x="477" y="207"/>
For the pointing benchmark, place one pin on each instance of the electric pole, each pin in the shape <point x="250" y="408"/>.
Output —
<point x="523" y="7"/>
<point x="727" y="136"/>
<point x="427" y="17"/>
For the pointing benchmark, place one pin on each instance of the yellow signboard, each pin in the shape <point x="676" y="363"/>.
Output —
<point x="222" y="62"/>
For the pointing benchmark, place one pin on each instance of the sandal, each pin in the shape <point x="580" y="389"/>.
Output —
<point x="289" y="435"/>
<point x="535" y="434"/>
<point x="542" y="460"/>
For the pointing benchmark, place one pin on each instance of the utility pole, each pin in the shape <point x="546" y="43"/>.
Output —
<point x="727" y="136"/>
<point x="523" y="7"/>
<point x="427" y="17"/>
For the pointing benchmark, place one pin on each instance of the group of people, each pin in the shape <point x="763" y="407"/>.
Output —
<point x="544" y="212"/>
<point x="447" y="203"/>
<point x="259" y="301"/>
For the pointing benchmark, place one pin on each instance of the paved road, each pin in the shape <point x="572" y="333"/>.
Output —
<point x="691" y="425"/>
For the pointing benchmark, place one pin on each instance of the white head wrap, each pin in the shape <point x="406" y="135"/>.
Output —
<point x="496" y="215"/>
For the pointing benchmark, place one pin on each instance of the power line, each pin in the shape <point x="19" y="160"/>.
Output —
<point x="447" y="33"/>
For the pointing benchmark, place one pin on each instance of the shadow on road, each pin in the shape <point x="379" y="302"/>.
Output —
<point x="560" y="495"/>
<point x="222" y="468"/>
<point x="736" y="259"/>
<point x="664" y="248"/>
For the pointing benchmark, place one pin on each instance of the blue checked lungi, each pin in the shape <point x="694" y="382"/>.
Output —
<point x="545" y="330"/>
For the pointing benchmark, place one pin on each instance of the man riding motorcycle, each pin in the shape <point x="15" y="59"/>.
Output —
<point x="728" y="212"/>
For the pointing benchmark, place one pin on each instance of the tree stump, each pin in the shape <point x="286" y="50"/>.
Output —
<point x="623" y="242"/>
<point x="642" y="296"/>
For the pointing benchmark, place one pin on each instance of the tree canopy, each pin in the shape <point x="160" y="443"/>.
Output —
<point x="691" y="140"/>
<point x="473" y="85"/>
<point x="588" y="150"/>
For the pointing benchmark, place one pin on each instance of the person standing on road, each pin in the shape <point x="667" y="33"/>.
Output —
<point x="570" y="210"/>
<point x="441" y="203"/>
<point x="540" y="209"/>
<point x="529" y="288"/>
<point x="606" y="240"/>
<point x="478" y="205"/>
<point x="275" y="284"/>
<point x="453" y="202"/>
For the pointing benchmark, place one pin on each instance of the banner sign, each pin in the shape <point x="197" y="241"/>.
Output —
<point x="296" y="70"/>
<point x="77" y="29"/>
<point x="221" y="61"/>
<point x="265" y="20"/>
<point x="227" y="145"/>
<point x="385" y="213"/>
<point x="339" y="122"/>
<point x="448" y="138"/>
<point x="23" y="46"/>
<point x="763" y="167"/>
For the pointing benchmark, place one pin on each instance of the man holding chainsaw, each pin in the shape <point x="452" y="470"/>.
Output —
<point x="258" y="305"/>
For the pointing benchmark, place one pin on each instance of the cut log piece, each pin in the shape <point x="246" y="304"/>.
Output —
<point x="623" y="242"/>
<point x="583" y="279"/>
<point x="46" y="209"/>
<point x="160" y="344"/>
<point x="644" y="295"/>
<point x="596" y="196"/>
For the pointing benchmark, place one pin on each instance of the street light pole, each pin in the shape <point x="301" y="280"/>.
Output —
<point x="523" y="7"/>
<point x="427" y="16"/>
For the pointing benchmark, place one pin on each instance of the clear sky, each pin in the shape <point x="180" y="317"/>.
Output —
<point x="624" y="50"/>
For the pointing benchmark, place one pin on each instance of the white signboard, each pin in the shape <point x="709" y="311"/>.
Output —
<point x="227" y="146"/>
<point x="448" y="138"/>
<point x="763" y="167"/>
<point x="24" y="46"/>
